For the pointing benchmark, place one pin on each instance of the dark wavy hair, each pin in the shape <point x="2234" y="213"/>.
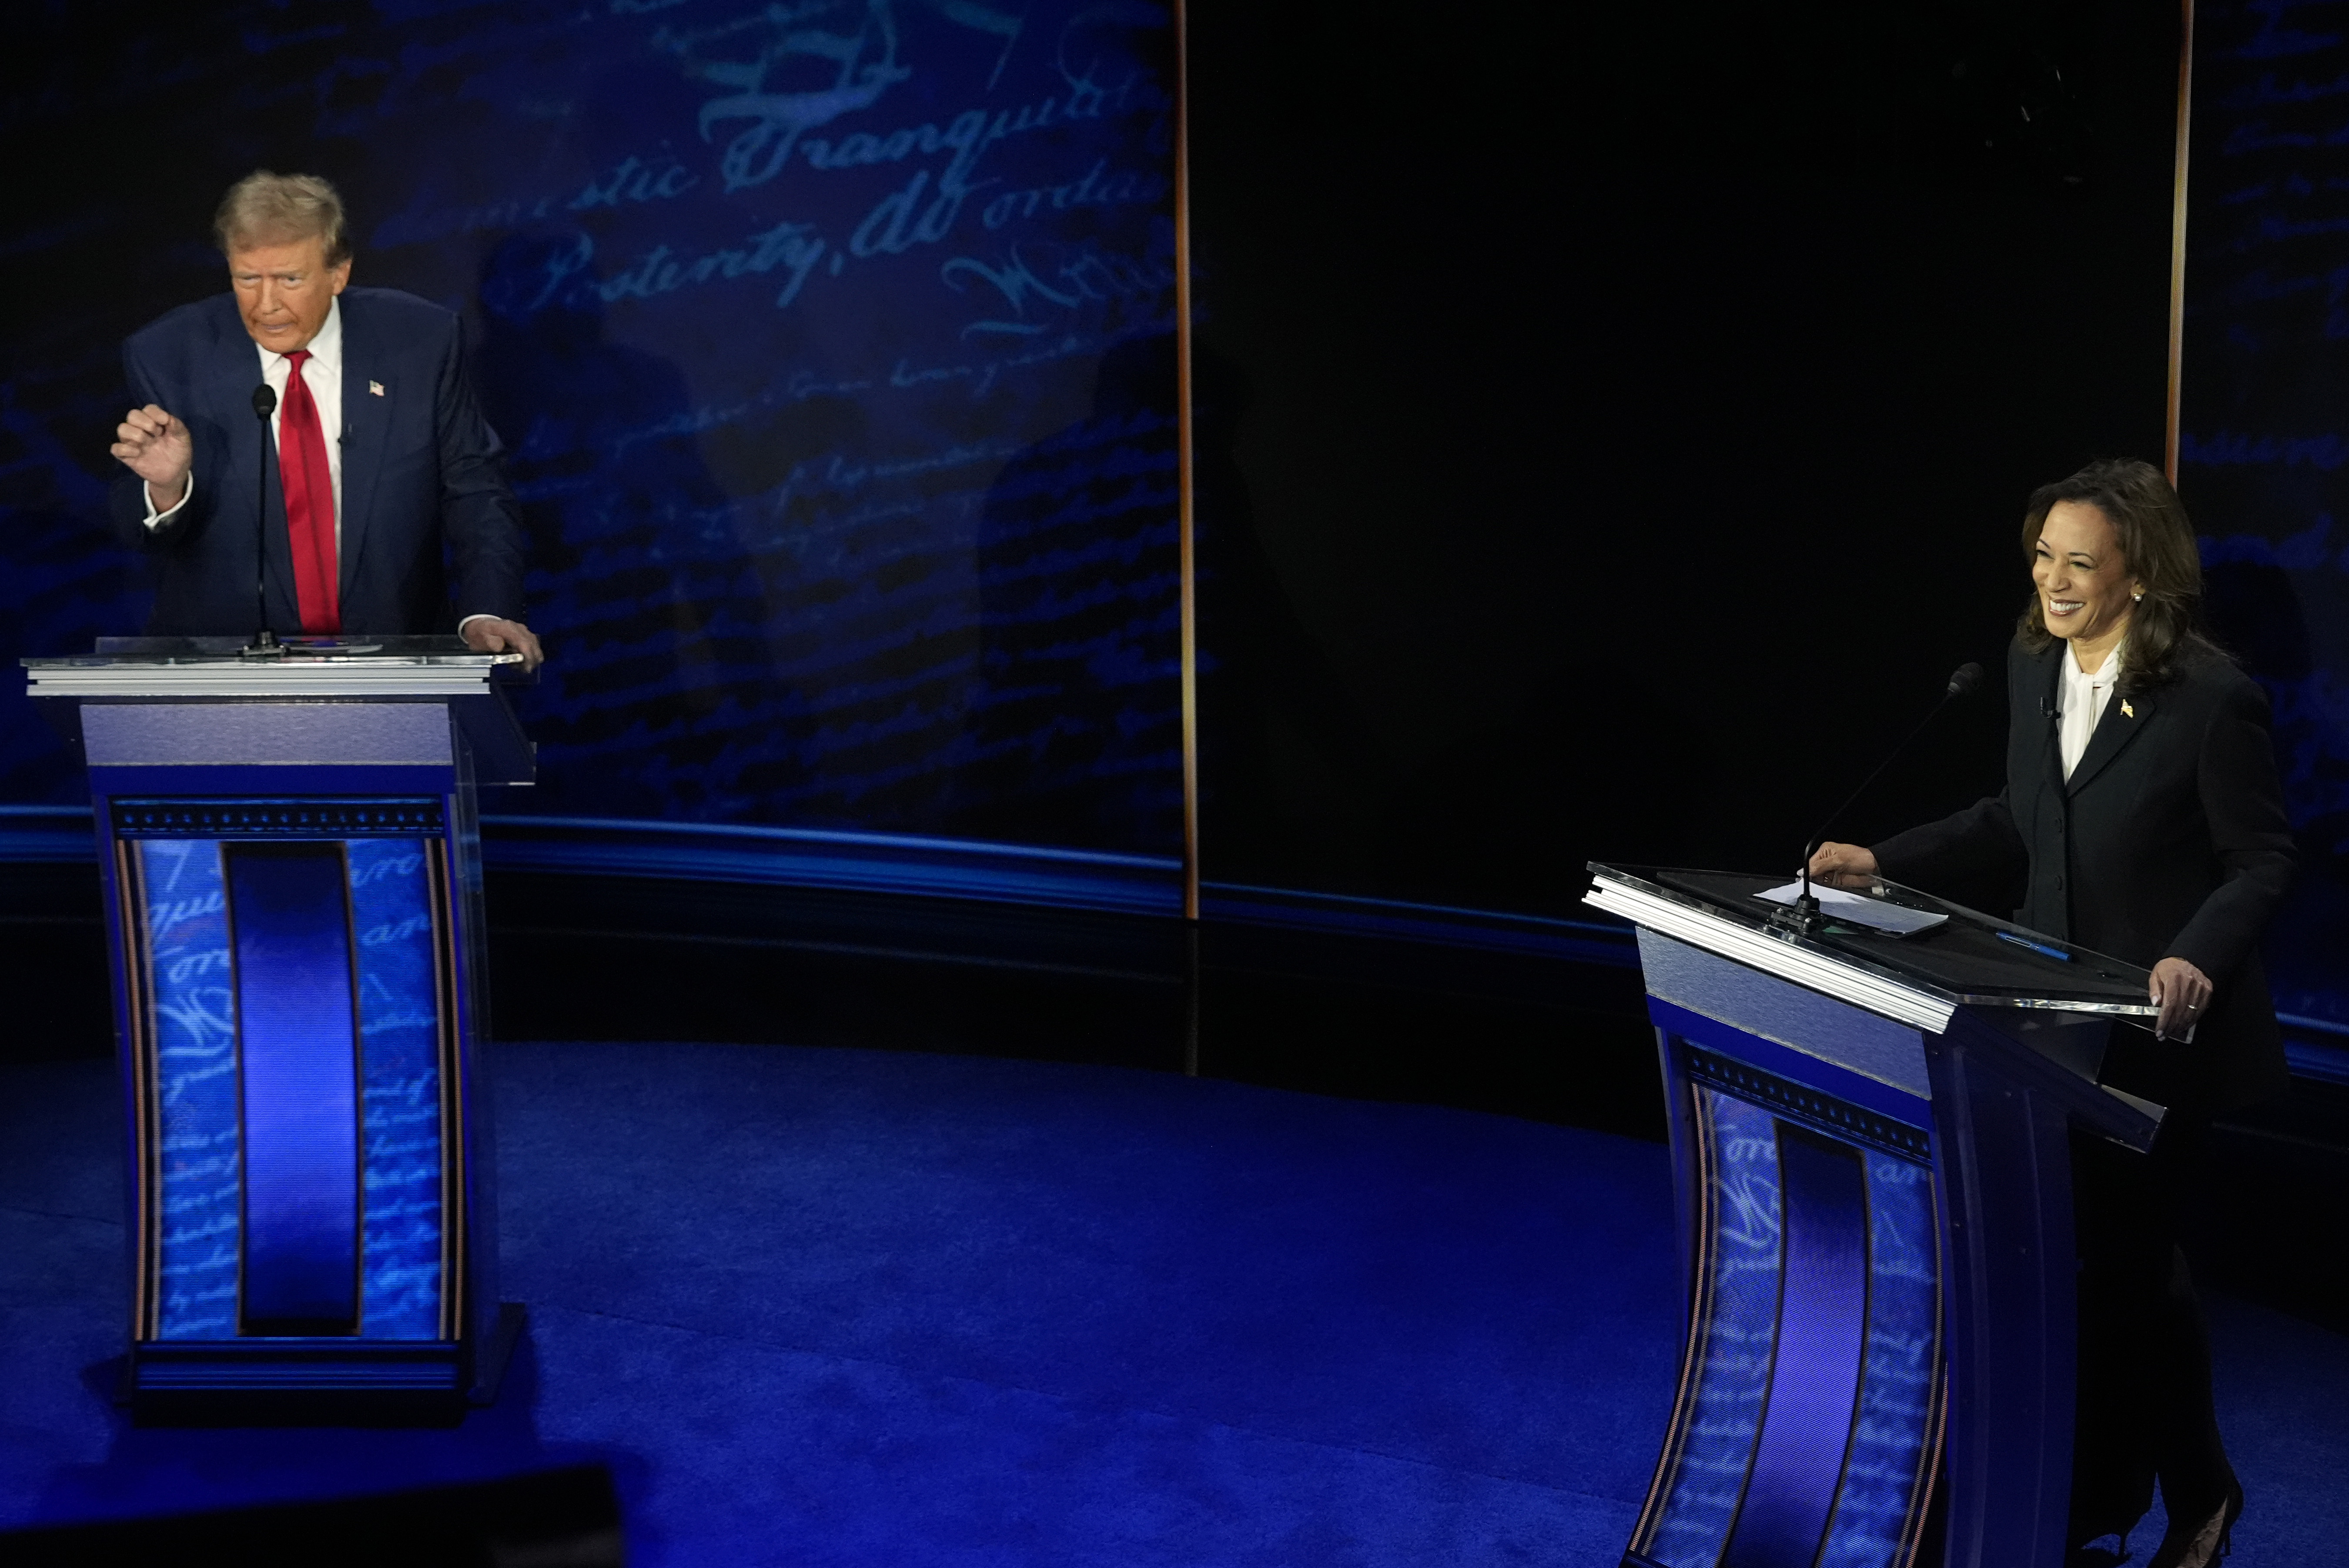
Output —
<point x="2158" y="545"/>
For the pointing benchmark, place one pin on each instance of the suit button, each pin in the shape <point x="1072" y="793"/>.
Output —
<point x="2059" y="884"/>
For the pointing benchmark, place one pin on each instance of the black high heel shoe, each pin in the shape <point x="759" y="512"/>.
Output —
<point x="2201" y="1539"/>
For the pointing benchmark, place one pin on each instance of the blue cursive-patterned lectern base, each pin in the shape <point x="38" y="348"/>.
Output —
<point x="1871" y="1146"/>
<point x="294" y="898"/>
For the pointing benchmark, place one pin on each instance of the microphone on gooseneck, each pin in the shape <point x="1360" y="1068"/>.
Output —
<point x="1962" y="681"/>
<point x="264" y="641"/>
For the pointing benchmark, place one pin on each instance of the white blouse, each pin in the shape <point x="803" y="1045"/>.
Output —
<point x="2082" y="701"/>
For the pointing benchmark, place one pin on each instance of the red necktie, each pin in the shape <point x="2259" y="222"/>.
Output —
<point x="309" y="503"/>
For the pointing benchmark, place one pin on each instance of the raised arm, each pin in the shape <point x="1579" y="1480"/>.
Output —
<point x="151" y="502"/>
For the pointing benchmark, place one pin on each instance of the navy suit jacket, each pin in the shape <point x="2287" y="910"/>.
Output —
<point x="2169" y="838"/>
<point x="429" y="531"/>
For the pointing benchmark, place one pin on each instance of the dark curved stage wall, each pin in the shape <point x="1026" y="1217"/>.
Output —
<point x="830" y="340"/>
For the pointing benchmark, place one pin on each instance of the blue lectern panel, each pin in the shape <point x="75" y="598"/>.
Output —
<point x="1737" y="1329"/>
<point x="1811" y="1402"/>
<point x="198" y="1181"/>
<point x="1814" y="1370"/>
<point x="1884" y="1481"/>
<point x="297" y="1024"/>
<point x="394" y="892"/>
<point x="300" y="1006"/>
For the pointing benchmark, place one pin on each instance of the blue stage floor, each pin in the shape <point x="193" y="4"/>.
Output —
<point x="848" y="1307"/>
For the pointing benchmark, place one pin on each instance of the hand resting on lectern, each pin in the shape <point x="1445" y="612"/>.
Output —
<point x="1843" y="865"/>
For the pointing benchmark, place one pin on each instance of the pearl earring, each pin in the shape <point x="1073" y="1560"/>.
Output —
<point x="2138" y="596"/>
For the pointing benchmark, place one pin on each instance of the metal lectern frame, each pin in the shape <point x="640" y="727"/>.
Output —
<point x="289" y="849"/>
<point x="1871" y="1152"/>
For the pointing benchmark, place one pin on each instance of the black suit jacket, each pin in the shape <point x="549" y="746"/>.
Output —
<point x="422" y="476"/>
<point x="2169" y="838"/>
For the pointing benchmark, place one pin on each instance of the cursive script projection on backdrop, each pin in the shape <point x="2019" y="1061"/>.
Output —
<point x="826" y="339"/>
<point x="2264" y="449"/>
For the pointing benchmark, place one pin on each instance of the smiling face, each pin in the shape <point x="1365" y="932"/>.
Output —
<point x="2084" y="582"/>
<point x="284" y="291"/>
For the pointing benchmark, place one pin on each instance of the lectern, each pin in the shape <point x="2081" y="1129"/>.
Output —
<point x="1871" y="1144"/>
<point x="291" y="863"/>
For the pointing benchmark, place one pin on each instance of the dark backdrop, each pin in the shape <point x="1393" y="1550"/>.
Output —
<point x="1622" y="426"/>
<point x="826" y="339"/>
<point x="2265" y="460"/>
<point x="1613" y="426"/>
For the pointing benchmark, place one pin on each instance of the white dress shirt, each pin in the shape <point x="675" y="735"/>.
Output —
<point x="324" y="377"/>
<point x="2082" y="701"/>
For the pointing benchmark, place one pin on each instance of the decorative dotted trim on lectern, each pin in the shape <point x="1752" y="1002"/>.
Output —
<point x="1836" y="1118"/>
<point x="320" y="817"/>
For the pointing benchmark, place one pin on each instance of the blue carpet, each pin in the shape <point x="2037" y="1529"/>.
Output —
<point x="824" y="1307"/>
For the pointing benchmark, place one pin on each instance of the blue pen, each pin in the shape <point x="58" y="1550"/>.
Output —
<point x="2038" y="948"/>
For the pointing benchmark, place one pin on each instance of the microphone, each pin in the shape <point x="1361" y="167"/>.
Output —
<point x="1805" y="916"/>
<point x="264" y="641"/>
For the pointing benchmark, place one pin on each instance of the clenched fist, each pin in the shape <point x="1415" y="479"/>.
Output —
<point x="157" y="448"/>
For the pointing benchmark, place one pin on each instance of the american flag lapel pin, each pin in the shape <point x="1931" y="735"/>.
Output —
<point x="376" y="388"/>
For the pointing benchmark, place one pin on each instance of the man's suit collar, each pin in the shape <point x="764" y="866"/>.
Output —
<point x="368" y="388"/>
<point x="230" y="354"/>
<point x="232" y="371"/>
<point x="235" y="370"/>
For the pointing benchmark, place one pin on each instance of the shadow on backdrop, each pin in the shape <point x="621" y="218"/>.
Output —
<point x="632" y="550"/>
<point x="1079" y="635"/>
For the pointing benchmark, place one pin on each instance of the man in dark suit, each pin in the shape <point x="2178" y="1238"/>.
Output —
<point x="387" y="507"/>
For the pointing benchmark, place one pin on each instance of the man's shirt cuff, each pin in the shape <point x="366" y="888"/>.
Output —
<point x="158" y="519"/>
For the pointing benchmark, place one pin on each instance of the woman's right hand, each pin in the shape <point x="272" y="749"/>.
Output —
<point x="1844" y="865"/>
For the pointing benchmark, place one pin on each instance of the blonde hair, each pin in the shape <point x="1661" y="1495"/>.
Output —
<point x="266" y="209"/>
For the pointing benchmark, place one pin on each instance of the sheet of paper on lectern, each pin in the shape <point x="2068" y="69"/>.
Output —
<point x="1854" y="909"/>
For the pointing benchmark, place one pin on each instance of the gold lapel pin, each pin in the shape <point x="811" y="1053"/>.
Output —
<point x="2127" y="711"/>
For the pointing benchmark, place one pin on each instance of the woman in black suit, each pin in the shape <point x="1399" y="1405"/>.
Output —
<point x="2144" y="816"/>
